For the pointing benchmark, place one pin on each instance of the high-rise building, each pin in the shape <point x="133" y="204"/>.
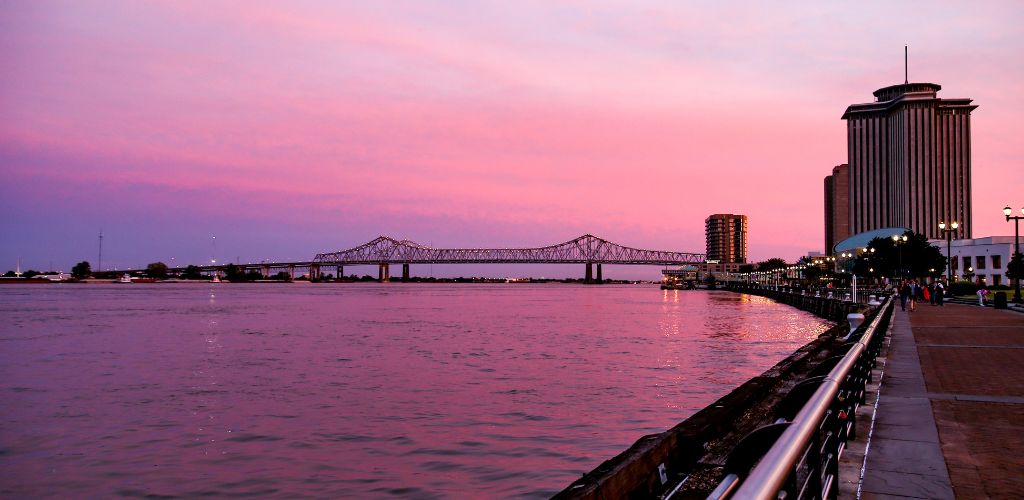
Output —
<point x="726" y="238"/>
<point x="909" y="154"/>
<point x="837" y="207"/>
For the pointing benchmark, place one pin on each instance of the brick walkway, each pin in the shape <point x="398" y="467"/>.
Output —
<point x="966" y="364"/>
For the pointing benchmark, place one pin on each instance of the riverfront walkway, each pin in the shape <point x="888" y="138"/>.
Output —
<point x="950" y="419"/>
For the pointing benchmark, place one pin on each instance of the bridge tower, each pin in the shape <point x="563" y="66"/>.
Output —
<point x="339" y="270"/>
<point x="384" y="272"/>
<point x="405" y="272"/>
<point x="599" y="278"/>
<point x="590" y="273"/>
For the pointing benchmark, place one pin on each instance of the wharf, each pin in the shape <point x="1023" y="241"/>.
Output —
<point x="950" y="417"/>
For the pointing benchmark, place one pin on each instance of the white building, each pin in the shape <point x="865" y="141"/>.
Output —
<point x="979" y="259"/>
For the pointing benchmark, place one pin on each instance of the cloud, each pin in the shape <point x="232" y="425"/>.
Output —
<point x="525" y="120"/>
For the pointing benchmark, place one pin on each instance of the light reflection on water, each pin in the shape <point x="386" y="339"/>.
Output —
<point x="358" y="389"/>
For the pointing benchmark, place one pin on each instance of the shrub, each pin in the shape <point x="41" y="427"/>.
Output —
<point x="963" y="288"/>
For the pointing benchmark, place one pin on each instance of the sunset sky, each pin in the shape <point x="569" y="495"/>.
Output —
<point x="291" y="128"/>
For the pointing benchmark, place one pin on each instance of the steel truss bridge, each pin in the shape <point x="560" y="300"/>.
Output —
<point x="383" y="251"/>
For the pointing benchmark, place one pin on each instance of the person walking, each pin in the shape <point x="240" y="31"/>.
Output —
<point x="940" y="293"/>
<point x="904" y="295"/>
<point x="915" y="291"/>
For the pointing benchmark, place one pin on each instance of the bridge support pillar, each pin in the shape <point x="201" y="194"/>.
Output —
<point x="384" y="273"/>
<point x="405" y="272"/>
<point x="265" y="271"/>
<point x="590" y="273"/>
<point x="339" y="272"/>
<point x="291" y="272"/>
<point x="314" y="272"/>
<point x="599" y="278"/>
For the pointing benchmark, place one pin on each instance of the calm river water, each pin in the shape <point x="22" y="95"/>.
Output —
<point x="358" y="390"/>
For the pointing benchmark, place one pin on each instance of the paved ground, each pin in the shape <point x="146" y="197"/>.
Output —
<point x="950" y="417"/>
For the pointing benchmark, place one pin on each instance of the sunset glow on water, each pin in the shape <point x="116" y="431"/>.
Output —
<point x="357" y="390"/>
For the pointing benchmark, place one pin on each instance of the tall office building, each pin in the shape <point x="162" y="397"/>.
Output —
<point x="726" y="238"/>
<point x="909" y="154"/>
<point x="837" y="207"/>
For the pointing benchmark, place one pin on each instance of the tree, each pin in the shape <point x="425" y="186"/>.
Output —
<point x="192" y="273"/>
<point x="157" y="270"/>
<point x="1015" y="268"/>
<point x="82" y="269"/>
<point x="772" y="264"/>
<point x="812" y="272"/>
<point x="915" y="258"/>
<point x="746" y="268"/>
<point x="234" y="273"/>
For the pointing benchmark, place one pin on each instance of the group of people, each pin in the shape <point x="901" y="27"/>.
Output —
<point x="911" y="291"/>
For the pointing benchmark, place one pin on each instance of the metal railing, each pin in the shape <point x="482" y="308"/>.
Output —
<point x="844" y="294"/>
<point x="803" y="458"/>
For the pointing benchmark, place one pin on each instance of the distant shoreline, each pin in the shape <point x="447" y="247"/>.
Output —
<point x="496" y="281"/>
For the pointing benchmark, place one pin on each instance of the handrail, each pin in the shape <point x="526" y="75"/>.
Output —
<point x="772" y="472"/>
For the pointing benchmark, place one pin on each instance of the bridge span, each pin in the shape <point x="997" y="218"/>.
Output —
<point x="383" y="251"/>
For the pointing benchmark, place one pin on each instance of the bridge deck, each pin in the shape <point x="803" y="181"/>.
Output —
<point x="951" y="412"/>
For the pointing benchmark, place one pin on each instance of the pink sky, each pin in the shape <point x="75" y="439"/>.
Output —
<point x="290" y="129"/>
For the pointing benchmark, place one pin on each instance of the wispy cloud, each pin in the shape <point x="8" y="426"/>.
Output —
<point x="506" y="120"/>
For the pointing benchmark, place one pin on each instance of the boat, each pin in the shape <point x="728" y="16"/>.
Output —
<point x="126" y="278"/>
<point x="216" y="279"/>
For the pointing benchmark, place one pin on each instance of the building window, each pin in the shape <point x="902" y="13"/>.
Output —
<point x="956" y="263"/>
<point x="997" y="261"/>
<point x="981" y="279"/>
<point x="980" y="262"/>
<point x="997" y="279"/>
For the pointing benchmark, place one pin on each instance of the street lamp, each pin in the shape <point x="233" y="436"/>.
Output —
<point x="949" y="243"/>
<point x="897" y="239"/>
<point x="1016" y="247"/>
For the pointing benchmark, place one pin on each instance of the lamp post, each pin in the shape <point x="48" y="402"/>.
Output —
<point x="1016" y="247"/>
<point x="949" y="243"/>
<point x="898" y="240"/>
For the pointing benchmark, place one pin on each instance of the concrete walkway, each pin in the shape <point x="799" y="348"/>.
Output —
<point x="950" y="418"/>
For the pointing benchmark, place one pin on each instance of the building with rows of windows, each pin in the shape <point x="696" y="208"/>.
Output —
<point x="983" y="260"/>
<point x="908" y="165"/>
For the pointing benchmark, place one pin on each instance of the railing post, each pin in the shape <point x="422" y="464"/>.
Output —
<point x="813" y="467"/>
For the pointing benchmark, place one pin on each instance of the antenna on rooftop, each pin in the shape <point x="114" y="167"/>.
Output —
<point x="906" y="71"/>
